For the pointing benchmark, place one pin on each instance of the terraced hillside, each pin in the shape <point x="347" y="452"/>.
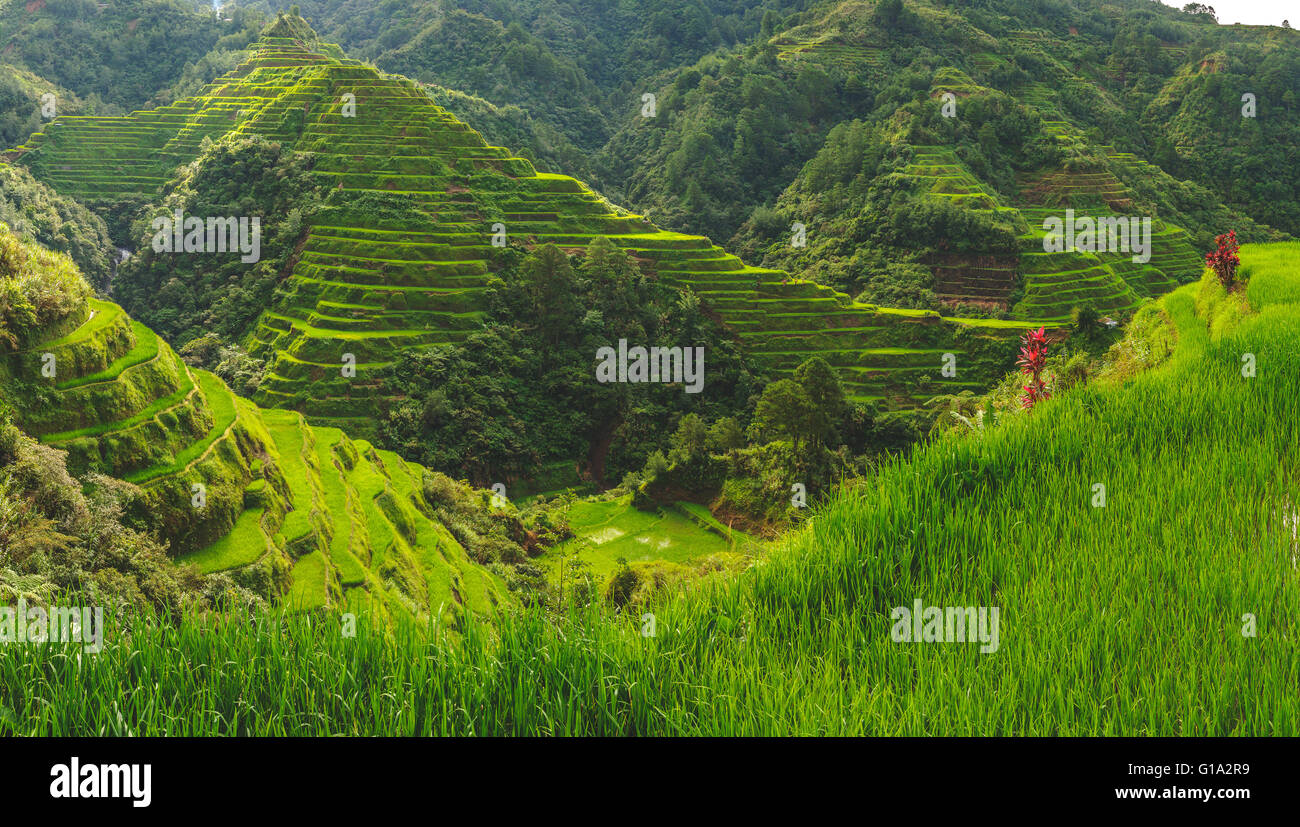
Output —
<point x="370" y="282"/>
<point x="1052" y="283"/>
<point x="1026" y="281"/>
<point x="260" y="494"/>
<point x="1112" y="281"/>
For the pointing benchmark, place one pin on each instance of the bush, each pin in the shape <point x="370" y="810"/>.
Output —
<point x="622" y="586"/>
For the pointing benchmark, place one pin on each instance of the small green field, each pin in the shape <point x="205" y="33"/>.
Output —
<point x="612" y="530"/>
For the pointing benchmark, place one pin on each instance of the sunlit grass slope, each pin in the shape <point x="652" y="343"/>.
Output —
<point x="291" y="511"/>
<point x="1122" y="619"/>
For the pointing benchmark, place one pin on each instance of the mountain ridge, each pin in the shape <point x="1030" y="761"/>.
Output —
<point x="447" y="189"/>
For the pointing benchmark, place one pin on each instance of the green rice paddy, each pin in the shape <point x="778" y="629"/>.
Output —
<point x="610" y="531"/>
<point x="338" y="516"/>
<point x="1167" y="609"/>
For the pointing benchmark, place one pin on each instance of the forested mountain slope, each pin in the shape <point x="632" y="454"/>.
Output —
<point x="1135" y="78"/>
<point x="400" y="251"/>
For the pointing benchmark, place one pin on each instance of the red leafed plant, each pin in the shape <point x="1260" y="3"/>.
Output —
<point x="1224" y="259"/>
<point x="1033" y="357"/>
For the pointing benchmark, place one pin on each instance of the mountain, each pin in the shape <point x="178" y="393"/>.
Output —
<point x="1111" y="611"/>
<point x="287" y="509"/>
<point x="1131" y="89"/>
<point x="868" y="196"/>
<point x="400" y="252"/>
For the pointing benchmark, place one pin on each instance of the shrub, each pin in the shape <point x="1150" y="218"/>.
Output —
<point x="1032" y="359"/>
<point x="1224" y="260"/>
<point x="622" y="586"/>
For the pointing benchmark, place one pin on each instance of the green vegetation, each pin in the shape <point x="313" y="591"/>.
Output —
<point x="1110" y="616"/>
<point x="116" y="55"/>
<point x="36" y="212"/>
<point x="608" y="531"/>
<point x="1143" y="81"/>
<point x="562" y="73"/>
<point x="896" y="216"/>
<point x="185" y="296"/>
<point x="522" y="392"/>
<point x="428" y="302"/>
<point x="263" y="506"/>
<point x="244" y="545"/>
<point x="397" y="255"/>
<point x="38" y="291"/>
<point x="22" y="95"/>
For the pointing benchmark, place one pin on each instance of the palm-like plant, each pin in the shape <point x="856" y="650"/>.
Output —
<point x="962" y="410"/>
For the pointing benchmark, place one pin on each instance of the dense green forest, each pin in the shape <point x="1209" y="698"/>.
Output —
<point x="233" y="177"/>
<point x="118" y="55"/>
<point x="58" y="222"/>
<point x="735" y="129"/>
<point x="518" y="394"/>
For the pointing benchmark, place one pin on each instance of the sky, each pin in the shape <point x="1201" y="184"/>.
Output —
<point x="1254" y="12"/>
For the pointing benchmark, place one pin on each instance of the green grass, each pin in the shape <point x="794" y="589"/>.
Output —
<point x="145" y="350"/>
<point x="351" y="572"/>
<point x="1268" y="260"/>
<point x="246" y="543"/>
<point x="222" y="403"/>
<point x="609" y="530"/>
<point x="150" y="412"/>
<point x="286" y="428"/>
<point x="102" y="315"/>
<point x="1125" y="619"/>
<point x="308" y="590"/>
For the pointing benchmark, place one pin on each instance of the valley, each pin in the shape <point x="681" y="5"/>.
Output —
<point x="505" y="369"/>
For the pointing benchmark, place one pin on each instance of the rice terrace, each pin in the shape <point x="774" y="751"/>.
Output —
<point x="680" y="368"/>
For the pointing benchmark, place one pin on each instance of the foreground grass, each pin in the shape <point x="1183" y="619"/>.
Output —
<point x="1122" y="619"/>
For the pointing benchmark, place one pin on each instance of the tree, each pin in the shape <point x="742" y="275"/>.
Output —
<point x="547" y="279"/>
<point x="726" y="435"/>
<point x="691" y="436"/>
<point x="1086" y="322"/>
<point x="783" y="410"/>
<point x="888" y="12"/>
<point x="827" y="406"/>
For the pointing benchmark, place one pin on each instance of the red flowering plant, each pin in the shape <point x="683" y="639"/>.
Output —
<point x="1223" y="260"/>
<point x="1032" y="360"/>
